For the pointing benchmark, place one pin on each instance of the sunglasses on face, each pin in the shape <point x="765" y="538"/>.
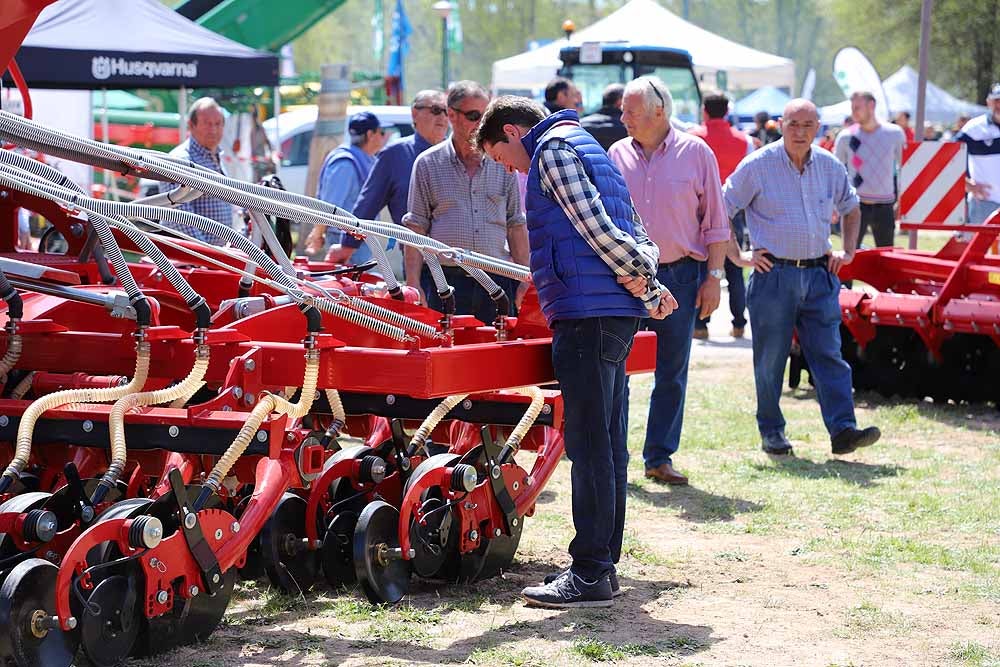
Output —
<point x="471" y="116"/>
<point x="434" y="109"/>
<point x="663" y="102"/>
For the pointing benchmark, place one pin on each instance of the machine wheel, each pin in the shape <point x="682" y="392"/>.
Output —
<point x="191" y="620"/>
<point x="287" y="563"/>
<point x="336" y="558"/>
<point x="111" y="623"/>
<point x="852" y="353"/>
<point x="492" y="557"/>
<point x="970" y="366"/>
<point x="434" y="543"/>
<point x="383" y="575"/>
<point x="28" y="594"/>
<point x="898" y="362"/>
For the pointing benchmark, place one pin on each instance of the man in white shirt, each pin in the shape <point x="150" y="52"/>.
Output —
<point x="982" y="137"/>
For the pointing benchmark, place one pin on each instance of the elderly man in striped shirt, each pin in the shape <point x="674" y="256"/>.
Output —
<point x="594" y="268"/>
<point x="789" y="190"/>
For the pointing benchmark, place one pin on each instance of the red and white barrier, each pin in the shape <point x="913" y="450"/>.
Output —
<point x="932" y="182"/>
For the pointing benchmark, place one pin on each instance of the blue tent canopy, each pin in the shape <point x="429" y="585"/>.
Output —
<point x="769" y="99"/>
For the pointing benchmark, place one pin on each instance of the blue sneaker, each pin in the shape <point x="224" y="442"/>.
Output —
<point x="612" y="579"/>
<point x="568" y="591"/>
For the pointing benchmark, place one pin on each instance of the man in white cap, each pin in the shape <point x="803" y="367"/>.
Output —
<point x="982" y="137"/>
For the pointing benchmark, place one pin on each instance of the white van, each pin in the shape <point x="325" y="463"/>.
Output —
<point x="293" y="130"/>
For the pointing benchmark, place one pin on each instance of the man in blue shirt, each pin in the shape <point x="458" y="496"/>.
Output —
<point x="388" y="182"/>
<point x="789" y="190"/>
<point x="344" y="171"/>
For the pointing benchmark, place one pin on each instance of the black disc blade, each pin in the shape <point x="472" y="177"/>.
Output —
<point x="337" y="557"/>
<point x="110" y="622"/>
<point x="432" y="539"/>
<point x="287" y="565"/>
<point x="493" y="557"/>
<point x="382" y="579"/>
<point x="28" y="591"/>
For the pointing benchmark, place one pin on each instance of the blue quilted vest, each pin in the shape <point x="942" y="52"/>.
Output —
<point x="573" y="282"/>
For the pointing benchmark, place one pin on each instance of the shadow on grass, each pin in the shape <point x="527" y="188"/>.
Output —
<point x="416" y="632"/>
<point x="695" y="504"/>
<point x="853" y="472"/>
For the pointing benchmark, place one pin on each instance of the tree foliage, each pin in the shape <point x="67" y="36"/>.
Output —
<point x="965" y="51"/>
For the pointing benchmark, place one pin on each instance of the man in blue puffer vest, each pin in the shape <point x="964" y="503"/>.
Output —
<point x="594" y="268"/>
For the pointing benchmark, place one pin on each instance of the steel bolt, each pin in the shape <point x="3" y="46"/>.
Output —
<point x="215" y="578"/>
<point x="4" y="420"/>
<point x="88" y="426"/>
<point x="193" y="591"/>
<point x="290" y="437"/>
<point x="466" y="404"/>
<point x="514" y="521"/>
<point x="515" y="486"/>
<point x="238" y="392"/>
<point x="218" y="534"/>
<point x="261" y="436"/>
<point x="235" y="526"/>
<point x="390" y="400"/>
<point x="473" y="535"/>
<point x="497" y="532"/>
<point x="249" y="365"/>
<point x="249" y="398"/>
<point x="153" y="562"/>
<point x="226" y="408"/>
<point x="71" y="622"/>
<point x="173" y="431"/>
<point x="86" y="513"/>
<point x="546" y="409"/>
<point x="162" y="597"/>
<point x="190" y="519"/>
<point x="52" y="556"/>
<point x="495" y="472"/>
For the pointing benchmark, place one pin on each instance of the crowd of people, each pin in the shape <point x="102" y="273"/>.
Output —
<point x="629" y="222"/>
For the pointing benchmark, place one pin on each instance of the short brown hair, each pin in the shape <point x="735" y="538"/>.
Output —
<point x="866" y="95"/>
<point x="506" y="110"/>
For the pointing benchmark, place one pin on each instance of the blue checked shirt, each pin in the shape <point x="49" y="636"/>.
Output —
<point x="789" y="213"/>
<point x="565" y="180"/>
<point x="209" y="207"/>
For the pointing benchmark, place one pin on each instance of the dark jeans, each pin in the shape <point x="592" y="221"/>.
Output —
<point x="787" y="298"/>
<point x="470" y="297"/>
<point x="737" y="298"/>
<point x="882" y="221"/>
<point x="588" y="356"/>
<point x="673" y="351"/>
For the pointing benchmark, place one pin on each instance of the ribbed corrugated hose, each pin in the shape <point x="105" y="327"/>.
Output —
<point x="116" y="421"/>
<point x="339" y="417"/>
<point x="23" y="386"/>
<point x="14" y="347"/>
<point x="34" y="411"/>
<point x="526" y="422"/>
<point x="431" y="422"/>
<point x="265" y="406"/>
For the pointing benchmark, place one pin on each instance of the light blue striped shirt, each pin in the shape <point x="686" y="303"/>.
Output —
<point x="787" y="212"/>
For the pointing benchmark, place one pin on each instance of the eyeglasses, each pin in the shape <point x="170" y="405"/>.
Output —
<point x="663" y="103"/>
<point x="434" y="109"/>
<point x="471" y="116"/>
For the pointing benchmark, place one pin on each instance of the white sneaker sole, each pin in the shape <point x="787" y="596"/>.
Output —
<point x="583" y="604"/>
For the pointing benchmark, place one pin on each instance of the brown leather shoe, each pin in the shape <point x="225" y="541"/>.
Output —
<point x="666" y="473"/>
<point x="700" y="334"/>
<point x="737" y="332"/>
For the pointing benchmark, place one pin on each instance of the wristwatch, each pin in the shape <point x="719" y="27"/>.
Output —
<point x="718" y="274"/>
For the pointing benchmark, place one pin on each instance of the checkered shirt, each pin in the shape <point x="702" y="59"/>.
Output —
<point x="209" y="207"/>
<point x="565" y="180"/>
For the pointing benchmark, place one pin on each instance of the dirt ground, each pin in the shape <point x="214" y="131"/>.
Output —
<point x="706" y="582"/>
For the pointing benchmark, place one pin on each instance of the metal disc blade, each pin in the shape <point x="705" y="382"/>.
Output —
<point x="287" y="566"/>
<point x="382" y="579"/>
<point x="337" y="557"/>
<point x="28" y="590"/>
<point x="493" y="557"/>
<point x="110" y="623"/>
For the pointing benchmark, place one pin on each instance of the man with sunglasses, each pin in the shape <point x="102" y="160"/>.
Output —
<point x="462" y="198"/>
<point x="389" y="180"/>
<point x="674" y="180"/>
<point x="344" y="171"/>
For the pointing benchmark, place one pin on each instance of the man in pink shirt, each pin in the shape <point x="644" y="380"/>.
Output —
<point x="673" y="178"/>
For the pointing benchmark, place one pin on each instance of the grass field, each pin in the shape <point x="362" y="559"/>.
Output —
<point x="888" y="557"/>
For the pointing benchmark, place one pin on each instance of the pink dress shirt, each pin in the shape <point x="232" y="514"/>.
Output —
<point x="678" y="194"/>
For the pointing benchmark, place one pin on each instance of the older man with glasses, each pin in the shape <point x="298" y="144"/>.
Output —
<point x="674" y="181"/>
<point x="389" y="180"/>
<point x="464" y="199"/>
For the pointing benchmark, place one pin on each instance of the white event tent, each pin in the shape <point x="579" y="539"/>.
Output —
<point x="901" y="92"/>
<point x="646" y="22"/>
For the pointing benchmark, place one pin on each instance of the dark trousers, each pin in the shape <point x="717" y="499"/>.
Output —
<point x="737" y="297"/>
<point x="470" y="297"/>
<point x="673" y="352"/>
<point x="882" y="220"/>
<point x="588" y="356"/>
<point x="805" y="300"/>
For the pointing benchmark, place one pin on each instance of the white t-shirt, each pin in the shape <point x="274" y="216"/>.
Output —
<point x="981" y="135"/>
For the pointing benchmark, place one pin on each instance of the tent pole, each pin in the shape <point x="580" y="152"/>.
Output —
<point x="277" y="129"/>
<point x="925" y="47"/>
<point x="182" y="108"/>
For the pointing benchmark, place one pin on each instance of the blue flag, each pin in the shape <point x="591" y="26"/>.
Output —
<point x="398" y="42"/>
